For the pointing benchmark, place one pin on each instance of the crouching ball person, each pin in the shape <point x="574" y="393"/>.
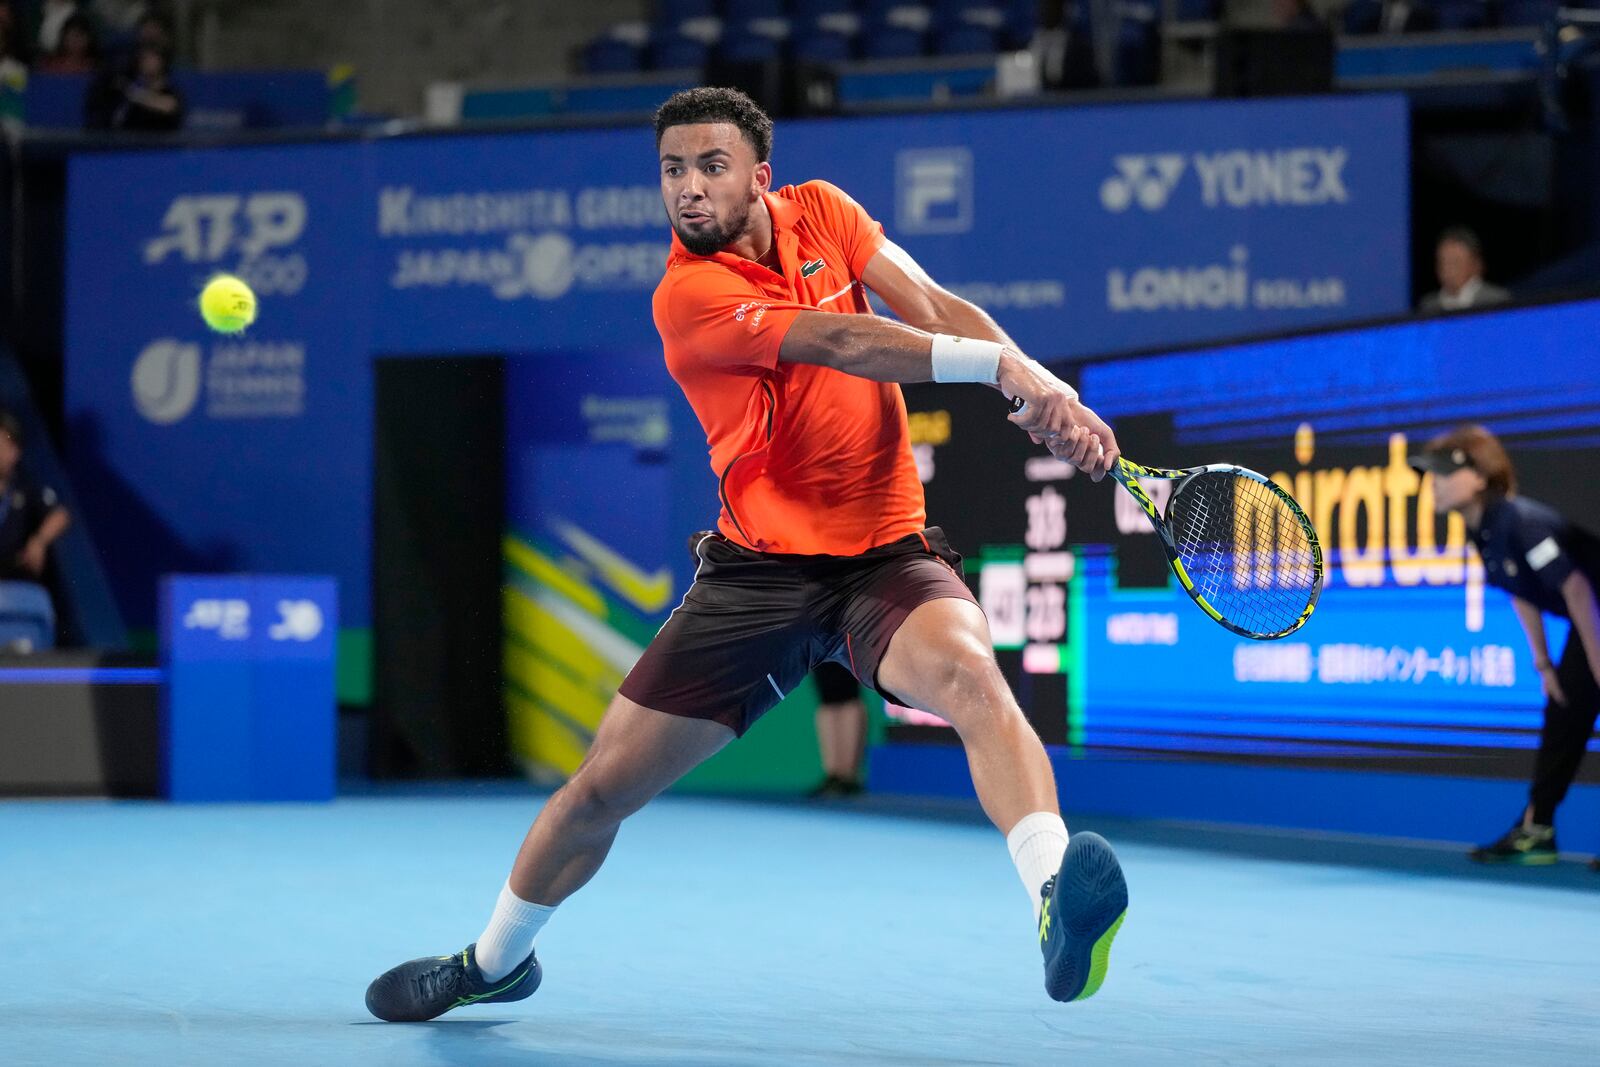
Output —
<point x="1549" y="566"/>
<point x="822" y="552"/>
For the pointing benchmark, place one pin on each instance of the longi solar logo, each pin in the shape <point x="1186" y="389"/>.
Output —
<point x="1217" y="287"/>
<point x="1238" y="178"/>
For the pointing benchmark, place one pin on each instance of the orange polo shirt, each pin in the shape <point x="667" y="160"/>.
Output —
<point x="808" y="459"/>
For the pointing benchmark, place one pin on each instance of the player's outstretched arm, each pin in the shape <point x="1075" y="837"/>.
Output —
<point x="887" y="351"/>
<point x="1052" y="413"/>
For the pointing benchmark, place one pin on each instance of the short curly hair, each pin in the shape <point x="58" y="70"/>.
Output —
<point x="708" y="104"/>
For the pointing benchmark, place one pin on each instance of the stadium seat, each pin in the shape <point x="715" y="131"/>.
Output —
<point x="809" y="10"/>
<point x="1460" y="14"/>
<point x="676" y="52"/>
<point x="745" y="10"/>
<point x="821" y="47"/>
<point x="1021" y="20"/>
<point x="988" y="13"/>
<point x="890" y="42"/>
<point x="1138" y="51"/>
<point x="27" y="618"/>
<point x="607" y="55"/>
<point x="1527" y="12"/>
<point x="965" y="40"/>
<point x="1363" y="17"/>
<point x="674" y="11"/>
<point x="747" y="48"/>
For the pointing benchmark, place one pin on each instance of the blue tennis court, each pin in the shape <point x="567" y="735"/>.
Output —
<point x="727" y="932"/>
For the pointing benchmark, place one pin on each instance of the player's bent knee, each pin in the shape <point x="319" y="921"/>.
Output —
<point x="968" y="689"/>
<point x="589" y="800"/>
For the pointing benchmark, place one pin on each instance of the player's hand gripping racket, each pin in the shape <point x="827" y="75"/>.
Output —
<point x="1241" y="547"/>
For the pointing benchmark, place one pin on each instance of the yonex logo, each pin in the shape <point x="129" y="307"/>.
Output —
<point x="1147" y="179"/>
<point x="1236" y="178"/>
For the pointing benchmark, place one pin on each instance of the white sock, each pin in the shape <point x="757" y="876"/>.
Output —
<point x="1037" y="843"/>
<point x="508" y="938"/>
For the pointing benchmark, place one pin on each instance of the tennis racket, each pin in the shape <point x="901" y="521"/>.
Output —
<point x="1240" y="546"/>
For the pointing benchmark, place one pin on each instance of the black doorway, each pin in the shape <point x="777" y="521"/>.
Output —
<point x="438" y="520"/>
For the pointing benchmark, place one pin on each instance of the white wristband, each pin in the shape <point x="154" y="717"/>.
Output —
<point x="964" y="359"/>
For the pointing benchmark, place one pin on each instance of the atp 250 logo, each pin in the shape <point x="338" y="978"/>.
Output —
<point x="251" y="236"/>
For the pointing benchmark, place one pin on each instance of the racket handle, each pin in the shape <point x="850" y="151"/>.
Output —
<point x="1119" y="470"/>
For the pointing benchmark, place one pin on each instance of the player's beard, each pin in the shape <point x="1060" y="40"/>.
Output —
<point x="717" y="236"/>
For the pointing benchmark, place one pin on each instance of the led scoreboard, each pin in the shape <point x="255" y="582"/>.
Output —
<point x="1410" y="657"/>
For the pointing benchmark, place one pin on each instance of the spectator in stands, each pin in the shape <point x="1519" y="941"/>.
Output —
<point x="11" y="38"/>
<point x="153" y="31"/>
<point x="53" y="16"/>
<point x="76" y="52"/>
<point x="31" y="518"/>
<point x="13" y="64"/>
<point x="140" y="97"/>
<point x="1295" y="15"/>
<point x="13" y="78"/>
<point x="1459" y="263"/>
<point x="121" y="18"/>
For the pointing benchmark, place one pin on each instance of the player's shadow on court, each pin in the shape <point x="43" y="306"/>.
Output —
<point x="452" y="1042"/>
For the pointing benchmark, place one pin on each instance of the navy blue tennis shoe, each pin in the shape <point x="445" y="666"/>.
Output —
<point x="1082" y="910"/>
<point x="428" y="987"/>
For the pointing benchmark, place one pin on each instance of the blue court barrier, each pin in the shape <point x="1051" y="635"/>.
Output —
<point x="248" y="713"/>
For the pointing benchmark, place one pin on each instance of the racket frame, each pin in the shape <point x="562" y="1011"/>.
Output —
<point x="1127" y="473"/>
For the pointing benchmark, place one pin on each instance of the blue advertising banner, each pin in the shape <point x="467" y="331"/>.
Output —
<point x="1081" y="230"/>
<point x="202" y="452"/>
<point x="1084" y="230"/>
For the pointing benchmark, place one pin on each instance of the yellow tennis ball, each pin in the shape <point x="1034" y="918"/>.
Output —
<point x="227" y="304"/>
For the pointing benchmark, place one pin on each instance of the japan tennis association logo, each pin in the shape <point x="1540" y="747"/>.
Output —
<point x="166" y="380"/>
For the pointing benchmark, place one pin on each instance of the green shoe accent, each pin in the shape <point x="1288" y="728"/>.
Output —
<point x="1535" y="859"/>
<point x="1099" y="960"/>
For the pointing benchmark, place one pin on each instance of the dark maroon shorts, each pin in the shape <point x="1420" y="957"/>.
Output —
<point x="754" y="624"/>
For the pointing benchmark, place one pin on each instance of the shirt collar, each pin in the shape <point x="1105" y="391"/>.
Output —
<point x="1464" y="296"/>
<point x="785" y="214"/>
<point x="1493" y="504"/>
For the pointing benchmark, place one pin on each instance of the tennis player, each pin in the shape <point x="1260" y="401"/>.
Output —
<point x="822" y="553"/>
<point x="1549" y="566"/>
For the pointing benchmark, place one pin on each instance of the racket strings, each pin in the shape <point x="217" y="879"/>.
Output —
<point x="1245" y="549"/>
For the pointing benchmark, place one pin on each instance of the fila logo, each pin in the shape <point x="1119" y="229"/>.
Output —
<point x="808" y="269"/>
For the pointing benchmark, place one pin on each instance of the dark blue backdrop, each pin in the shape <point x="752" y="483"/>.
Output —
<point x="1085" y="230"/>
